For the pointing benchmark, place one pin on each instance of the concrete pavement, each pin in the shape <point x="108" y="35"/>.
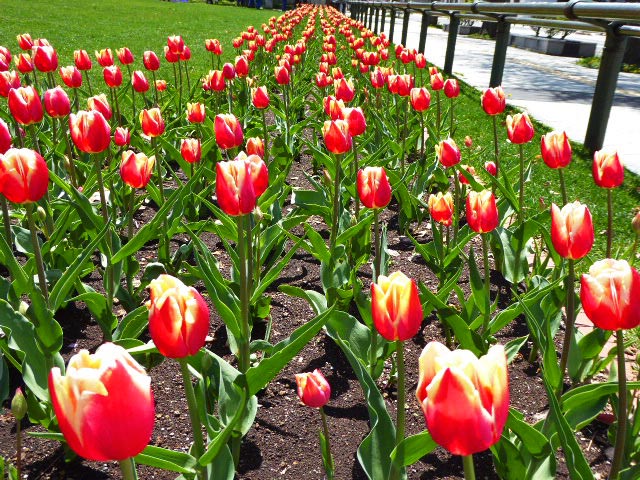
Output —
<point x="554" y="90"/>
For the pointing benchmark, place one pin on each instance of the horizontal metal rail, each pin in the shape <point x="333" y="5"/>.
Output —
<point x="617" y="20"/>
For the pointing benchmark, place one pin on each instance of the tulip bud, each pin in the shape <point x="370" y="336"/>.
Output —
<point x="56" y="103"/>
<point x="82" y="60"/>
<point x="5" y="137"/>
<point x="482" y="213"/>
<point x="491" y="168"/>
<point x="448" y="153"/>
<point x="451" y="88"/>
<point x="572" y="230"/>
<point x="214" y="81"/>
<point x="373" y="186"/>
<point x="152" y="122"/>
<point x="24" y="64"/>
<point x="229" y="71"/>
<point x="125" y="56"/>
<point x="19" y="405"/>
<point x="420" y="99"/>
<point x="493" y="100"/>
<point x="396" y="308"/>
<point x="136" y="169"/>
<point x="313" y="389"/>
<point x="336" y="135"/>
<point x="610" y="295"/>
<point x="175" y="44"/>
<point x="169" y="56"/>
<point x="260" y="97"/>
<point x="104" y="57"/>
<point x="191" y="150"/>
<point x="519" y="128"/>
<point x="178" y="317"/>
<point x="8" y="81"/>
<point x="122" y="136"/>
<point x="608" y="171"/>
<point x="213" y="46"/>
<point x="24" y="175"/>
<point x="228" y="131"/>
<point x="25" y="42"/>
<point x="45" y="59"/>
<point x="555" y="149"/>
<point x="71" y="76"/>
<point x="468" y="141"/>
<point x="441" y="208"/>
<point x="240" y="182"/>
<point x="465" y="399"/>
<point x="420" y="60"/>
<point x="161" y="85"/>
<point x="255" y="146"/>
<point x="282" y="75"/>
<point x="150" y="60"/>
<point x="470" y="170"/>
<point x="25" y="105"/>
<point x="112" y="76"/>
<point x="139" y="81"/>
<point x="99" y="103"/>
<point x="355" y="118"/>
<point x="437" y="82"/>
<point x="90" y="131"/>
<point x="344" y="89"/>
<point x="107" y="391"/>
<point x="196" y="112"/>
<point x="41" y="213"/>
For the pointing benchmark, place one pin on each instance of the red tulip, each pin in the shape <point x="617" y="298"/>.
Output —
<point x="228" y="131"/>
<point x="5" y="137"/>
<point x="191" y="150"/>
<point x="152" y="122"/>
<point x="229" y="71"/>
<point x="465" y="399"/>
<point x="169" y="56"/>
<point x="56" y="102"/>
<point x="282" y="75"/>
<point x="437" y="82"/>
<point x="24" y="175"/>
<point x="136" y="169"/>
<point x="420" y="60"/>
<point x="395" y="304"/>
<point x="178" y="317"/>
<point x="45" y="59"/>
<point x="333" y="107"/>
<point x="24" y="63"/>
<point x="5" y="59"/>
<point x="356" y="120"/>
<point x="255" y="146"/>
<point x="493" y="101"/>
<point x="104" y="404"/>
<point x="482" y="213"/>
<point x="448" y="152"/>
<point x="336" y="136"/>
<point x="468" y="142"/>
<point x="260" y="97"/>
<point x="71" y="76"/>
<point x="214" y="80"/>
<point x="323" y="80"/>
<point x="519" y="128"/>
<point x="185" y="55"/>
<point x="125" y="56"/>
<point x="90" y="131"/>
<point x="122" y="136"/>
<point x="99" y="103"/>
<point x="242" y="66"/>
<point x="313" y="389"/>
<point x="150" y="60"/>
<point x="377" y="78"/>
<point x="441" y="208"/>
<point x="344" y="89"/>
<point x="556" y="149"/>
<point x="196" y="112"/>
<point x="400" y="84"/>
<point x="25" y="105"/>
<point x="161" y="85"/>
<point x="571" y="230"/>
<point x="451" y="88"/>
<point x="25" y="42"/>
<point x="610" y="295"/>
<point x="213" y="46"/>
<point x="139" y="81"/>
<point x="374" y="189"/>
<point x="82" y="60"/>
<point x="608" y="171"/>
<point x="420" y="99"/>
<point x="470" y="170"/>
<point x="104" y="57"/>
<point x="8" y="80"/>
<point x="491" y="167"/>
<point x="112" y="76"/>
<point x="240" y="182"/>
<point x="175" y="44"/>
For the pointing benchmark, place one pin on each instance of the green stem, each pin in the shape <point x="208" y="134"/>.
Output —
<point x="131" y="202"/>
<point x="404" y="136"/>
<point x="155" y="89"/>
<point x="243" y="345"/>
<point x="86" y="75"/>
<point x="456" y="207"/>
<point x="42" y="280"/>
<point x="422" y="142"/>
<point x="249" y="238"/>
<point x="621" y="433"/>
<point x="467" y="465"/>
<point x="570" y="313"/>
<point x="496" y="148"/>
<point x="128" y="469"/>
<point x="355" y="167"/>
<point x="396" y="473"/>
<point x="563" y="187"/>
<point x="373" y="349"/>
<point x="439" y="114"/>
<point x="72" y="166"/>
<point x="6" y="220"/>
<point x="163" y="246"/>
<point x="335" y="218"/>
<point x="265" y="133"/>
<point x="609" y="221"/>
<point x="521" y="192"/>
<point x="133" y="94"/>
<point x="451" y="118"/>
<point x="19" y="447"/>
<point x="179" y="87"/>
<point x="285" y="94"/>
<point x="198" y="442"/>
<point x="487" y="278"/>
<point x="330" y="468"/>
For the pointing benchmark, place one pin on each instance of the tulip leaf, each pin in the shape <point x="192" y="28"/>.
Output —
<point x="513" y="347"/>
<point x="259" y="376"/>
<point x="274" y="273"/>
<point x="166" y="459"/>
<point x="534" y="441"/>
<point x="97" y="305"/>
<point x="62" y="287"/>
<point x="133" y="324"/>
<point x="480" y="295"/>
<point x="412" y="449"/>
<point x="317" y="301"/>
<point x="576" y="463"/>
<point x="4" y="380"/>
<point x="374" y="453"/>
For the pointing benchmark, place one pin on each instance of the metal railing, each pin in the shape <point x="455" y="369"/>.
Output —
<point x="617" y="20"/>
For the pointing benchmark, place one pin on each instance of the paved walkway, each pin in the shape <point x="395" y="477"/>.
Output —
<point x="554" y="90"/>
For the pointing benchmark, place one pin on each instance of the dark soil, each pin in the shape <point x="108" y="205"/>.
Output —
<point x="283" y="442"/>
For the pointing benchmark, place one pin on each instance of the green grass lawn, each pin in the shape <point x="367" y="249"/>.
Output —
<point x="138" y="24"/>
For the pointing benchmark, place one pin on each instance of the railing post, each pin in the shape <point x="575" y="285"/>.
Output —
<point x="375" y="27"/>
<point x="503" y="34"/>
<point x="371" y="10"/>
<point x="392" y="23"/>
<point x="405" y="26"/>
<point x="423" y="31"/>
<point x="383" y="11"/>
<point x="454" y="24"/>
<point x="353" y="8"/>
<point x="610" y="64"/>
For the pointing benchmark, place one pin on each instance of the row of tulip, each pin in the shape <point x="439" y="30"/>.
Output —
<point x="463" y="391"/>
